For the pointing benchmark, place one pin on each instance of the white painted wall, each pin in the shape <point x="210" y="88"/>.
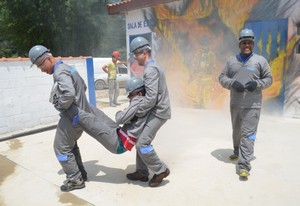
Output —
<point x="24" y="94"/>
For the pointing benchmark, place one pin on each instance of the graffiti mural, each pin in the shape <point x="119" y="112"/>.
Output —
<point x="197" y="36"/>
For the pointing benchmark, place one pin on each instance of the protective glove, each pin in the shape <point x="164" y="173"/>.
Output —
<point x="251" y="86"/>
<point x="74" y="114"/>
<point x="75" y="120"/>
<point x="238" y="86"/>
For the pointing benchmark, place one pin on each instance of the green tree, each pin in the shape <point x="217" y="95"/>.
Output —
<point x="67" y="27"/>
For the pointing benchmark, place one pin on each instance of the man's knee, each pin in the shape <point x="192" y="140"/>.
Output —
<point x="144" y="150"/>
<point x="62" y="158"/>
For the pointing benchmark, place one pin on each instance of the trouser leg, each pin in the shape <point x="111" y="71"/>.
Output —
<point x="146" y="155"/>
<point x="78" y="159"/>
<point x="102" y="128"/>
<point x="103" y="117"/>
<point x="140" y="165"/>
<point x="116" y="92"/>
<point x="248" y="133"/>
<point x="111" y="90"/>
<point x="246" y="153"/>
<point x="236" y="128"/>
<point x="64" y="142"/>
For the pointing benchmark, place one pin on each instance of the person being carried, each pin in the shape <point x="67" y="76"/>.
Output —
<point x="115" y="139"/>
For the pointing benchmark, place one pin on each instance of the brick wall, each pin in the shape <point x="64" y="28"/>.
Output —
<point x="24" y="95"/>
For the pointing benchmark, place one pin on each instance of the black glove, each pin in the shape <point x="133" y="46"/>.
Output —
<point x="55" y="103"/>
<point x="238" y="86"/>
<point x="251" y="86"/>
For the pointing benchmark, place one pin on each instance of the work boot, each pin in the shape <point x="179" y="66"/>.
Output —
<point x="70" y="185"/>
<point x="244" y="173"/>
<point x="137" y="176"/>
<point x="233" y="157"/>
<point x="157" y="179"/>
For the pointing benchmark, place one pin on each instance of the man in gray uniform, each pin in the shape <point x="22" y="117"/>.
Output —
<point x="73" y="89"/>
<point x="156" y="102"/>
<point x="245" y="75"/>
<point x="69" y="90"/>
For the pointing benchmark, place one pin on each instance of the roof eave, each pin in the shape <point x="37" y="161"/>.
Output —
<point x="121" y="7"/>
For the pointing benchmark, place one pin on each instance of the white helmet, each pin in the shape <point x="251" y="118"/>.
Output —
<point x="37" y="52"/>
<point x="138" y="44"/>
<point x="134" y="84"/>
<point x="246" y="34"/>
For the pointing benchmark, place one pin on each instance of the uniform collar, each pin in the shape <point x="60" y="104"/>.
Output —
<point x="244" y="58"/>
<point x="149" y="61"/>
<point x="57" y="63"/>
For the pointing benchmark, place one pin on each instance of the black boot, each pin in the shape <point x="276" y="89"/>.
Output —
<point x="137" y="175"/>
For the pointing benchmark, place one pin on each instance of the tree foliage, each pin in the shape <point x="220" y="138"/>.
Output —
<point x="67" y="27"/>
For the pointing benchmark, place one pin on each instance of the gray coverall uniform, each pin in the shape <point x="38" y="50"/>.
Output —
<point x="109" y="135"/>
<point x="133" y="125"/>
<point x="69" y="87"/>
<point x="156" y="102"/>
<point x="245" y="106"/>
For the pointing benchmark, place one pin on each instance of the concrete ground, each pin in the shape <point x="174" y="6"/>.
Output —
<point x="195" y="144"/>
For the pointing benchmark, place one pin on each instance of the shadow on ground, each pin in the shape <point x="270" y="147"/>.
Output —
<point x="223" y="155"/>
<point x="101" y="173"/>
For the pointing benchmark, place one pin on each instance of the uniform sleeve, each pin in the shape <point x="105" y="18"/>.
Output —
<point x="66" y="87"/>
<point x="266" y="78"/>
<point x="151" y="80"/>
<point x="125" y="116"/>
<point x="224" y="79"/>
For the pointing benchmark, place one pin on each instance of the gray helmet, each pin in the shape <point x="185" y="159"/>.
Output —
<point x="134" y="84"/>
<point x="37" y="52"/>
<point x="246" y="34"/>
<point x="138" y="44"/>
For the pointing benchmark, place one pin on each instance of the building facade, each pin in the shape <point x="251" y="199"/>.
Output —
<point x="192" y="39"/>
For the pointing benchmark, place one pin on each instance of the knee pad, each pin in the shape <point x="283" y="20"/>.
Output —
<point x="146" y="150"/>
<point x="62" y="158"/>
<point x="252" y="136"/>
